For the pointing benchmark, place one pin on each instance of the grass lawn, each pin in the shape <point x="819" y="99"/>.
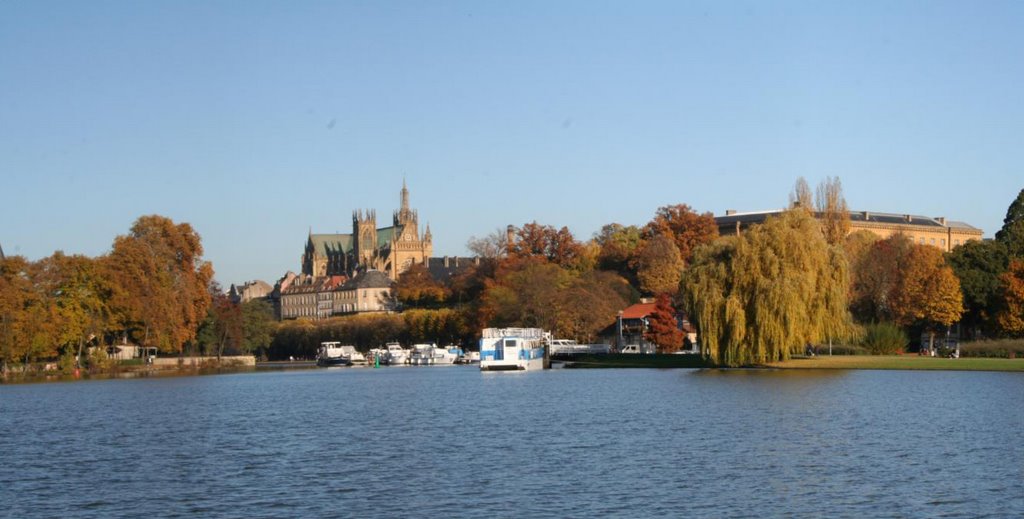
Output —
<point x="913" y="362"/>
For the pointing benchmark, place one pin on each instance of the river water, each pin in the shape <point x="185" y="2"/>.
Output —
<point x="455" y="442"/>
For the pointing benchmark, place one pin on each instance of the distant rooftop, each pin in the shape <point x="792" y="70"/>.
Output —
<point x="732" y="217"/>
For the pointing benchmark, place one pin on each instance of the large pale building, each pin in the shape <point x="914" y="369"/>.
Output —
<point x="939" y="232"/>
<point x="391" y="250"/>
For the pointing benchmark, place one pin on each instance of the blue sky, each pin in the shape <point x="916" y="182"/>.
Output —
<point x="255" y="121"/>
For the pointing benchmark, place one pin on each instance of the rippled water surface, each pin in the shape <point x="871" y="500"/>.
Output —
<point x="451" y="441"/>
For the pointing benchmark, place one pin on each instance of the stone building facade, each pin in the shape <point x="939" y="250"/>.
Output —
<point x="939" y="232"/>
<point x="391" y="250"/>
<point x="256" y="289"/>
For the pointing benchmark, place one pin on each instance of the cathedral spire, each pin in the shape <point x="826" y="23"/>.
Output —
<point x="405" y="196"/>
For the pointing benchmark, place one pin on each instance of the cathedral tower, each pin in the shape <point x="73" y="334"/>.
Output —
<point x="364" y="233"/>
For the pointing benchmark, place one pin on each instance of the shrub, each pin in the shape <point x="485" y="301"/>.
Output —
<point x="843" y="349"/>
<point x="67" y="362"/>
<point x="884" y="339"/>
<point x="1002" y="349"/>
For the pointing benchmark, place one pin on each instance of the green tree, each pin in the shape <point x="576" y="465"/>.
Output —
<point x="761" y="296"/>
<point x="979" y="265"/>
<point x="1012" y="233"/>
<point x="258" y="327"/>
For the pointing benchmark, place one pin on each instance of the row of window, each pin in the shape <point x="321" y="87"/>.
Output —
<point x="323" y="312"/>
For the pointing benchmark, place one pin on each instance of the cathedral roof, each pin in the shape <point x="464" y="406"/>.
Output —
<point x="384" y="235"/>
<point x="327" y="244"/>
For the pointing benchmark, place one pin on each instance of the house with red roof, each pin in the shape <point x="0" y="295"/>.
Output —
<point x="632" y="325"/>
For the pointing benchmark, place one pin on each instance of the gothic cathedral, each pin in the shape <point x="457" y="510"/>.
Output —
<point x="391" y="250"/>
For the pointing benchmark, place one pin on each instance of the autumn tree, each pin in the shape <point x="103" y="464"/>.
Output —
<point x="17" y="298"/>
<point x="684" y="226"/>
<point x="416" y="288"/>
<point x="531" y="292"/>
<point x="875" y="276"/>
<point x="763" y="295"/>
<point x="79" y="291"/>
<point x="801" y="196"/>
<point x="659" y="266"/>
<point x="159" y="282"/>
<point x="926" y="292"/>
<point x="493" y="245"/>
<point x="618" y="246"/>
<point x="832" y="210"/>
<point x="663" y="326"/>
<point x="544" y="241"/>
<point x="1011" y="313"/>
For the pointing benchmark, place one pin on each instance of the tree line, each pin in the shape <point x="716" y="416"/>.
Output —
<point x="800" y="278"/>
<point x="152" y="289"/>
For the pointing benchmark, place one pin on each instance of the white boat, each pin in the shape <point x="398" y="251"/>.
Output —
<point x="447" y="355"/>
<point x="421" y="355"/>
<point x="509" y="349"/>
<point x="430" y="355"/>
<point x="470" y="357"/>
<point x="331" y="353"/>
<point x="395" y="355"/>
<point x="353" y="355"/>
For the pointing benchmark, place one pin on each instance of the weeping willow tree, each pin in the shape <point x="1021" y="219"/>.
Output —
<point x="762" y="296"/>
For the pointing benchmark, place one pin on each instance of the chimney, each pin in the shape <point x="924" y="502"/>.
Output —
<point x="942" y="220"/>
<point x="908" y="218"/>
<point x="730" y="212"/>
<point x="867" y="216"/>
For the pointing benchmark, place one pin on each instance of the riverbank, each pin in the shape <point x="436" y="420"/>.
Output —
<point x="900" y="362"/>
<point x="135" y="368"/>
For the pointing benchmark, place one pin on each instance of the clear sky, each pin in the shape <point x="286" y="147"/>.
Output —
<point x="256" y="121"/>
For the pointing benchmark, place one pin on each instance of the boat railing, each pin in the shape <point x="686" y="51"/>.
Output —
<point x="525" y="333"/>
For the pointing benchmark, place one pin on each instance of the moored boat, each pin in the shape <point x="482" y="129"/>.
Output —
<point x="354" y="357"/>
<point x="331" y="353"/>
<point x="510" y="349"/>
<point x="396" y="355"/>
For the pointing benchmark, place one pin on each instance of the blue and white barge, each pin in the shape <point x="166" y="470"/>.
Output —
<point x="512" y="349"/>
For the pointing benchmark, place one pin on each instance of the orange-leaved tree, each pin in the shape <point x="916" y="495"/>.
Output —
<point x="927" y="292"/>
<point x="159" y="282"/>
<point x="663" y="327"/>
<point x="684" y="226"/>
<point x="1011" y="315"/>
